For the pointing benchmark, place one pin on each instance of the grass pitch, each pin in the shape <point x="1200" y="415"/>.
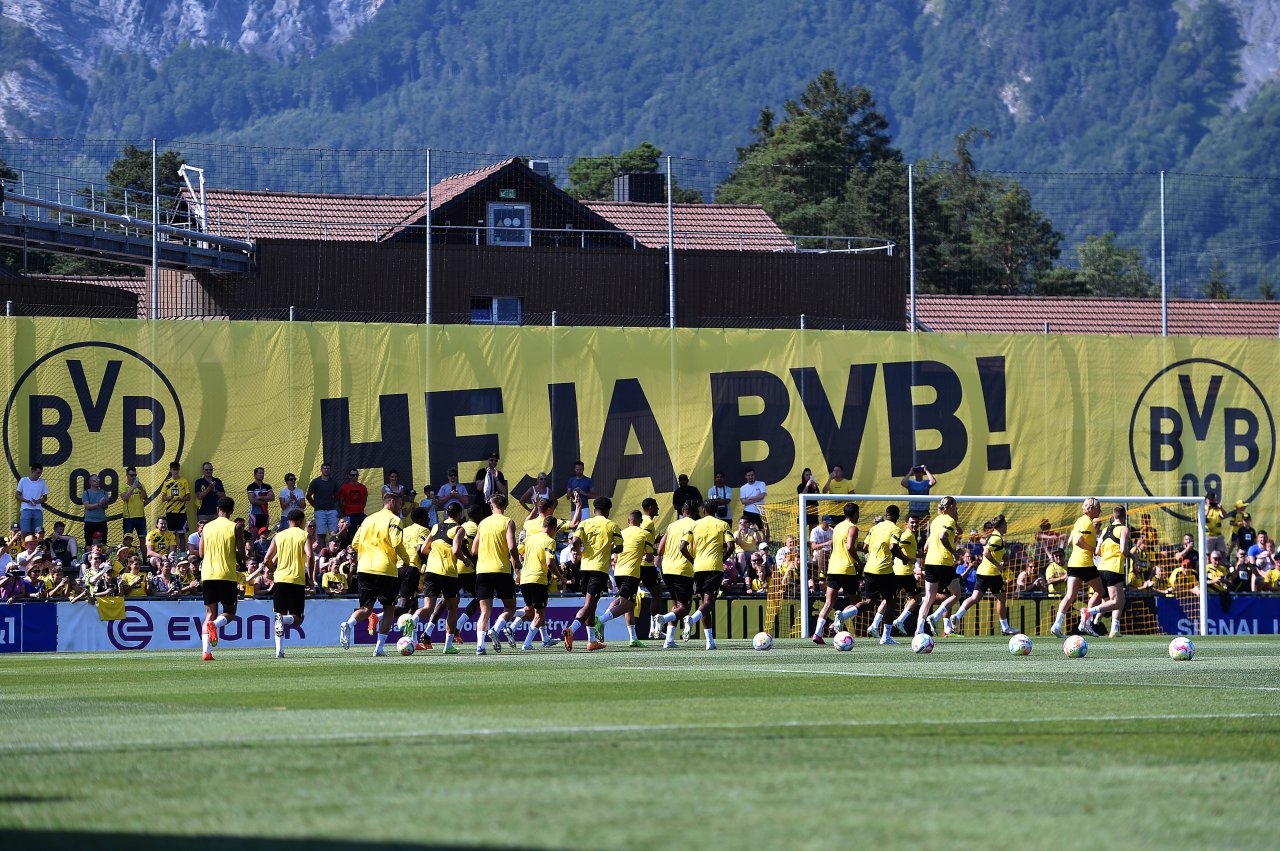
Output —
<point x="799" y="747"/>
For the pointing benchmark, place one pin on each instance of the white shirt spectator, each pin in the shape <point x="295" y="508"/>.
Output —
<point x="751" y="489"/>
<point x="31" y="492"/>
<point x="193" y="542"/>
<point x="820" y="536"/>
<point x="291" y="498"/>
<point x="721" y="492"/>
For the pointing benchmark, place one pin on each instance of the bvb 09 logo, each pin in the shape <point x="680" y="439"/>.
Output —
<point x="92" y="408"/>
<point x="1201" y="425"/>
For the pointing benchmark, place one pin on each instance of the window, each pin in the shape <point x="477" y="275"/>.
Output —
<point x="496" y="310"/>
<point x="509" y="224"/>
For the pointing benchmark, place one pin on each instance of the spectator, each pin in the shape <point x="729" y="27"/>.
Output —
<point x="393" y="485"/>
<point x="752" y="495"/>
<point x="1262" y="564"/>
<point x="1047" y="540"/>
<point x="1213" y="517"/>
<point x="17" y="586"/>
<point x="429" y="503"/>
<point x="539" y="490"/>
<point x="94" y="501"/>
<point x="133" y="583"/>
<point x="746" y="540"/>
<point x="1243" y="573"/>
<point x="32" y="494"/>
<point x="683" y="493"/>
<point x="14" y="541"/>
<point x="758" y="571"/>
<point x="1030" y="581"/>
<point x="291" y="497"/>
<point x="175" y="494"/>
<point x="719" y="498"/>
<point x="1188" y="556"/>
<point x="1055" y="574"/>
<point x="489" y="480"/>
<point x="1244" y="535"/>
<point x="6" y="560"/>
<point x="188" y="575"/>
<point x="208" y="490"/>
<point x="322" y="496"/>
<point x="261" y="495"/>
<point x="333" y="581"/>
<point x="193" y="540"/>
<point x="808" y="484"/>
<point x="29" y="554"/>
<point x="353" y="497"/>
<point x="1216" y="572"/>
<point x="820" y="547"/>
<point x="133" y="505"/>
<point x="162" y="545"/>
<point x="580" y="482"/>
<point x="837" y="483"/>
<point x="451" y="491"/>
<point x="62" y="546"/>
<point x="99" y="578"/>
<point x="262" y="543"/>
<point x="165" y="583"/>
<point x="918" y="481"/>
<point x="1260" y="546"/>
<point x="120" y="560"/>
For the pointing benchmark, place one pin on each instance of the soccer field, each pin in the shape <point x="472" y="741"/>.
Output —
<point x="798" y="747"/>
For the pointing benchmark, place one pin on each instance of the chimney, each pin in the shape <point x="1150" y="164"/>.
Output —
<point x="645" y="187"/>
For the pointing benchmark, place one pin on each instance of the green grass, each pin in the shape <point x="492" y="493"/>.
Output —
<point x="800" y="747"/>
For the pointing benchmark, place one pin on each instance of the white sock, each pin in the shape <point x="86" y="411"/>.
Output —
<point x="351" y="621"/>
<point x="1059" y="620"/>
<point x="901" y="619"/>
<point x="463" y="620"/>
<point x="711" y="639"/>
<point x="669" y="617"/>
<point x="501" y="622"/>
<point x="606" y="617"/>
<point x="958" y="615"/>
<point x="631" y="631"/>
<point x="695" y="617"/>
<point x="448" y="639"/>
<point x="279" y="643"/>
<point x="426" y="627"/>
<point x="204" y="640"/>
<point x="877" y="621"/>
<point x="671" y="633"/>
<point x="382" y="639"/>
<point x="851" y="612"/>
<point x="287" y="620"/>
<point x="821" y="627"/>
<point x="545" y="632"/>
<point x="1004" y="624"/>
<point x="516" y="622"/>
<point x="220" y="621"/>
<point x="481" y="638"/>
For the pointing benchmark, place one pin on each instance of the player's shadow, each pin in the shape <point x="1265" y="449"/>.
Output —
<point x="57" y="839"/>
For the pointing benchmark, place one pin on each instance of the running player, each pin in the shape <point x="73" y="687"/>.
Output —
<point x="410" y="573"/>
<point x="878" y="580"/>
<point x="705" y="547"/>
<point x="940" y="553"/>
<point x="596" y="540"/>
<point x="467" y="570"/>
<point x="445" y="549"/>
<point x="677" y="570"/>
<point x="1113" y="560"/>
<point x="1080" y="567"/>
<point x="637" y="545"/>
<point x="906" y="558"/>
<point x="495" y="552"/>
<point x="990" y="579"/>
<point x="538" y="551"/>
<point x="379" y="545"/>
<point x="842" y="572"/>
<point x="289" y="555"/>
<point x="221" y="560"/>
<point x="650" y="576"/>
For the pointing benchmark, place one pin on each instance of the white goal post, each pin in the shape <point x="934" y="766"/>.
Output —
<point x="1193" y="503"/>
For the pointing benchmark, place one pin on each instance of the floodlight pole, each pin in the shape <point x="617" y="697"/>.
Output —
<point x="671" y="252"/>
<point x="155" y="232"/>
<point x="1164" y="289"/>
<point x="428" y="270"/>
<point x="911" y="236"/>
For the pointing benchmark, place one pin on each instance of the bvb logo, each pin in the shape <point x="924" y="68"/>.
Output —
<point x="92" y="408"/>
<point x="1201" y="425"/>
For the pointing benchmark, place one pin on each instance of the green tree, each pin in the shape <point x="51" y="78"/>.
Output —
<point x="1107" y="269"/>
<point x="1218" y="287"/>
<point x="591" y="178"/>
<point x="131" y="172"/>
<point x="1266" y="289"/>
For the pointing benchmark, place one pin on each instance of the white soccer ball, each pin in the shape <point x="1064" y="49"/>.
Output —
<point x="1181" y="649"/>
<point x="922" y="643"/>
<point x="1075" y="647"/>
<point x="404" y="623"/>
<point x="1020" y="645"/>
<point x="406" y="646"/>
<point x="843" y="641"/>
<point x="762" y="641"/>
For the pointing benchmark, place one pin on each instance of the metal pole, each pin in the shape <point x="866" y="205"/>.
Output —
<point x="291" y="312"/>
<point x="802" y="322"/>
<point x="671" y="253"/>
<point x="911" y="239"/>
<point x="1046" y="327"/>
<point x="553" y="319"/>
<point x="428" y="236"/>
<point x="1164" y="289"/>
<point x="155" y="236"/>
<point x="803" y="544"/>
<point x="1204" y="563"/>
<point x="8" y="308"/>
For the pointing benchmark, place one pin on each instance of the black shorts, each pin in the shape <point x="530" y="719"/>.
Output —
<point x="1110" y="578"/>
<point x="376" y="587"/>
<point x="628" y="586"/>
<point x="594" y="582"/>
<point x="754" y="519"/>
<point x="846" y="582"/>
<point x="942" y="574"/>
<point x="499" y="586"/>
<point x="439" y="586"/>
<point x="534" y="594"/>
<point x="176" y="522"/>
<point x="467" y="582"/>
<point x="882" y="585"/>
<point x="410" y="578"/>
<point x="1088" y="574"/>
<point x="908" y="584"/>
<point x="708" y="582"/>
<point x="288" y="598"/>
<point x="989" y="584"/>
<point x="220" y="592"/>
<point x="679" y="587"/>
<point x="651" y="578"/>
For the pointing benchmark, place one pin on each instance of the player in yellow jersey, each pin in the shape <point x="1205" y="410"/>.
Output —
<point x="906" y="563"/>
<point x="495" y="552"/>
<point x="1113" y="559"/>
<point x="379" y="546"/>
<point x="677" y="570"/>
<point x="990" y="578"/>
<point x="637" y="545"/>
<point x="709" y="541"/>
<point x="879" y="582"/>
<point x="596" y="539"/>
<point x="1080" y="567"/>
<point x="940" y="554"/>
<point x="467" y="569"/>
<point x="541" y="510"/>
<point x="289" y="555"/>
<point x="221" y="560"/>
<point x="650" y="576"/>
<point x="410" y="572"/>
<point x="842" y="570"/>
<point x="538" y="555"/>
<point x="444" y="548"/>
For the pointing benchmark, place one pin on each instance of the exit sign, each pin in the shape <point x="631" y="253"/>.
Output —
<point x="507" y="194"/>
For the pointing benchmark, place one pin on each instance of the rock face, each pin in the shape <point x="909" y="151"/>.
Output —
<point x="1260" y="57"/>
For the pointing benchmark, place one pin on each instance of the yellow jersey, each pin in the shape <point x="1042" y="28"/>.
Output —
<point x="161" y="543"/>
<point x="291" y="556"/>
<point x="880" y="548"/>
<point x="1213" y="517"/>
<point x="172" y="494"/>
<point x="650" y="526"/>
<point x="440" y="560"/>
<point x="747" y="542"/>
<point x="992" y="555"/>
<point x="539" y="550"/>
<point x="942" y="533"/>
<point x="469" y="528"/>
<point x="637" y="546"/>
<point x="379" y="544"/>
<point x="414" y="535"/>
<point x="906" y="541"/>
<point x="711" y="536"/>
<point x="841" y="562"/>
<point x="841" y="486"/>
<point x="219" y="542"/>
<point x="534" y="526"/>
<point x="494" y="554"/>
<point x="673" y="561"/>
<point x="131" y="585"/>
<point x="334" y="582"/>
<point x="133" y="505"/>
<point x="599" y="536"/>
<point x="1082" y="556"/>
<point x="1110" y="556"/>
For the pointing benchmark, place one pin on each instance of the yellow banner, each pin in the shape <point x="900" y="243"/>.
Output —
<point x="988" y="414"/>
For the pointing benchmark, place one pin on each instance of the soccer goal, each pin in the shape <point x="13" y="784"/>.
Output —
<point x="1037" y="525"/>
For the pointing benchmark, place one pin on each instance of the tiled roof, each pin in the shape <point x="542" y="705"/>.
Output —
<point x="729" y="227"/>
<point x="1028" y="315"/>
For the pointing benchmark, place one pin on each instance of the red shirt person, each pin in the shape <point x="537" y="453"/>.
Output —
<point x="352" y="497"/>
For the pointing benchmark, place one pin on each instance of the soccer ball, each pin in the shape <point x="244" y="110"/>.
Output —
<point x="1020" y="645"/>
<point x="1075" y="647"/>
<point x="1181" y="649"/>
<point x="843" y="641"/>
<point x="762" y="641"/>
<point x="404" y="623"/>
<point x="921" y="643"/>
<point x="406" y="646"/>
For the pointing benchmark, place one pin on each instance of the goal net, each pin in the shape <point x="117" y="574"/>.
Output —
<point x="1157" y="565"/>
